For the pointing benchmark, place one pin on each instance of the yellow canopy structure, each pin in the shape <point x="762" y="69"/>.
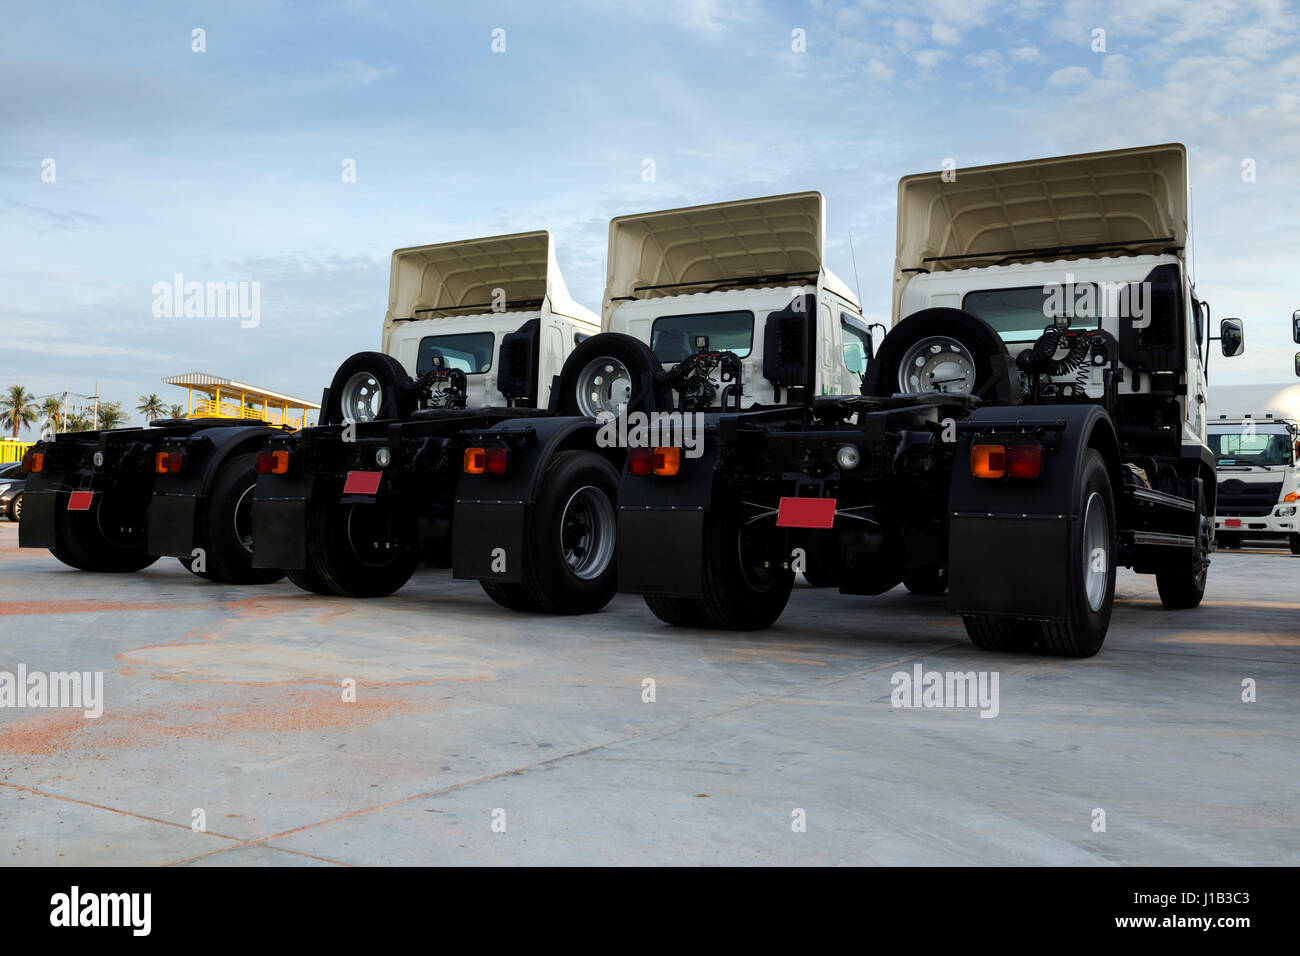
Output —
<point x="211" y="396"/>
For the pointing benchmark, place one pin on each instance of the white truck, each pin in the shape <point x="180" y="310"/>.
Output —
<point x="1254" y="433"/>
<point x="724" y="306"/>
<point x="1033" y="420"/>
<point x="474" y="334"/>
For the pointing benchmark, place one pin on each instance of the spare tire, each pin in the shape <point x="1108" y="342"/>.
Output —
<point x="996" y="380"/>
<point x="370" y="386"/>
<point x="609" y="370"/>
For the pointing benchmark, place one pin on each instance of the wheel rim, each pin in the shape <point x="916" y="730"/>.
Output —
<point x="365" y="537"/>
<point x="937" y="364"/>
<point x="603" y="385"/>
<point x="243" y="519"/>
<point x="587" y="532"/>
<point x="18" y="508"/>
<point x="1096" y="536"/>
<point x="362" y="397"/>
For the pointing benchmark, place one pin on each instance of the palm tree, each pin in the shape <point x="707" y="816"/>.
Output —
<point x="78" y="422"/>
<point x="52" y="411"/>
<point x="111" y="415"/>
<point x="17" y="409"/>
<point x="177" y="411"/>
<point x="151" y="408"/>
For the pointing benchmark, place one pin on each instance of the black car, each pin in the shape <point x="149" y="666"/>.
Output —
<point x="12" y="481"/>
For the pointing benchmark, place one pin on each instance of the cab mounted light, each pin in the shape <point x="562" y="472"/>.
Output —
<point x="34" y="461"/>
<point x="485" y="461"/>
<point x="272" y="462"/>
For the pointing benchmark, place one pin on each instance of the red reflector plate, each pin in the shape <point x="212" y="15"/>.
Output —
<point x="1232" y="522"/>
<point x="80" y="500"/>
<point x="362" y="482"/>
<point x="805" y="513"/>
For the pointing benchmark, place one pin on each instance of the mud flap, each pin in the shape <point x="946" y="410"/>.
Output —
<point x="1001" y="565"/>
<point x="280" y="533"/>
<point x="488" y="541"/>
<point x="659" y="552"/>
<point x="38" y="529"/>
<point x="171" y="525"/>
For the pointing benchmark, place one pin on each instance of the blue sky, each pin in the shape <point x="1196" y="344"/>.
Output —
<point x="225" y="165"/>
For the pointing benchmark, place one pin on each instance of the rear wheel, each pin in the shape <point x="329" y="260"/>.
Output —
<point x="744" y="590"/>
<point x="1183" y="590"/>
<point x="569" y="565"/>
<point x="678" y="611"/>
<point x="819" y="578"/>
<point x="228" y="526"/>
<point x="309" y="580"/>
<point x="16" y="508"/>
<point x="1088" y="582"/>
<point x="1295" y="544"/>
<point x="357" y="549"/>
<point x="1228" y="542"/>
<point x="510" y="595"/>
<point x="108" y="537"/>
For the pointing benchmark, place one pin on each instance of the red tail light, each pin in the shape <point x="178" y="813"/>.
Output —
<point x="1006" y="461"/>
<point x="169" y="462"/>
<point x="640" y="461"/>
<point x="486" y="461"/>
<point x="33" y="461"/>
<point x="1024" y="461"/>
<point x="274" y="462"/>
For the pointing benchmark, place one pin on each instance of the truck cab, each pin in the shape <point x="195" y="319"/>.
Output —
<point x="452" y="306"/>
<point x="744" y="279"/>
<point x="1254" y="433"/>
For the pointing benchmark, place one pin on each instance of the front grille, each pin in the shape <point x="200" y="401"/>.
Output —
<point x="1237" y="499"/>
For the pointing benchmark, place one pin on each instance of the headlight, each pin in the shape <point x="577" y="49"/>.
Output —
<point x="98" y="459"/>
<point x="848" y="457"/>
<point x="3" y="489"/>
<point x="1285" y="512"/>
<point x="383" y="456"/>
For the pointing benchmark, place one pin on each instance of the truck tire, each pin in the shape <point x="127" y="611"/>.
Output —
<point x="612" y="369"/>
<point x="510" y="595"/>
<point x="678" y="611"/>
<point x="998" y="633"/>
<point x="930" y="581"/>
<point x="343" y="549"/>
<point x="1089" y="593"/>
<point x="987" y="352"/>
<point x="1228" y="542"/>
<point x="1182" y="591"/>
<point x="366" y="377"/>
<point x="94" y="540"/>
<point x="227" y="526"/>
<point x="1295" y="544"/>
<point x="64" y="555"/>
<point x="740" y="594"/>
<point x="309" y="580"/>
<point x="569" y="543"/>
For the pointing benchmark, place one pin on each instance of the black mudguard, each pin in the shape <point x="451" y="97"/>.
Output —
<point x="174" y="509"/>
<point x="488" y="526"/>
<point x="1007" y="538"/>
<point x="661" y="527"/>
<point x="280" y="521"/>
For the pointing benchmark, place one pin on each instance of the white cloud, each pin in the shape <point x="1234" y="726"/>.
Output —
<point x="879" y="72"/>
<point x="929" y="59"/>
<point x="1025" y="54"/>
<point x="1070" y="76"/>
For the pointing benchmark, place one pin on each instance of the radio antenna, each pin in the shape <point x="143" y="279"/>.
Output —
<point x="854" y="257"/>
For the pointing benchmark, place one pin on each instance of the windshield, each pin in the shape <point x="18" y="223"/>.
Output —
<point x="1241" y="445"/>
<point x="672" y="337"/>
<point x="471" y="352"/>
<point x="1020" y="315"/>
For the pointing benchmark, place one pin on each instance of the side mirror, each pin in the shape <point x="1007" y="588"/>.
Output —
<point x="1295" y="326"/>
<point x="1297" y="364"/>
<point x="1232" y="337"/>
